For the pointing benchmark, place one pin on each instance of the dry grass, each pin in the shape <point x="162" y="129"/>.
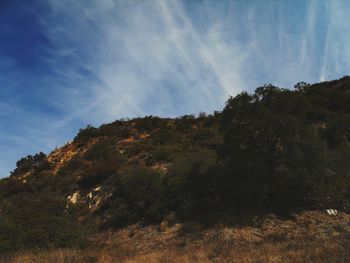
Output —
<point x="323" y="253"/>
<point x="309" y="237"/>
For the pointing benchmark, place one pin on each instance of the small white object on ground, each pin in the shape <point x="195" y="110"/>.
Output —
<point x="332" y="212"/>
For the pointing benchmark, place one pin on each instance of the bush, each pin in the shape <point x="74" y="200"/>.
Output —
<point x="165" y="153"/>
<point x="137" y="196"/>
<point x="85" y="134"/>
<point x="96" y="174"/>
<point x="148" y="123"/>
<point x="191" y="183"/>
<point x="39" y="221"/>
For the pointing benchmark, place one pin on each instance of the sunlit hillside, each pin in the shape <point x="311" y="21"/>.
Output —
<point x="257" y="176"/>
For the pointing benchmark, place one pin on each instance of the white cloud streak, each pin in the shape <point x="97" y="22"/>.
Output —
<point x="113" y="59"/>
<point x="150" y="51"/>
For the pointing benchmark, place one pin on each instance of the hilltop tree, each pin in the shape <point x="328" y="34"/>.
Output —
<point x="270" y="155"/>
<point x="35" y="162"/>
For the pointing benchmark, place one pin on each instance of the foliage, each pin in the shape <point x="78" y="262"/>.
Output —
<point x="272" y="150"/>
<point x="85" y="134"/>
<point x="271" y="155"/>
<point x="137" y="196"/>
<point x="35" y="163"/>
<point x="190" y="185"/>
<point x="39" y="221"/>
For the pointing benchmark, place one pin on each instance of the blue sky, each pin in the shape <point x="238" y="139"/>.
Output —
<point x="65" y="64"/>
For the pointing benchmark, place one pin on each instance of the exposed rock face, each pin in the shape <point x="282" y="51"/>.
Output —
<point x="73" y="199"/>
<point x="95" y="198"/>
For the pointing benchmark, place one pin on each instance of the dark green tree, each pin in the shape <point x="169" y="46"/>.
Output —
<point x="35" y="163"/>
<point x="271" y="157"/>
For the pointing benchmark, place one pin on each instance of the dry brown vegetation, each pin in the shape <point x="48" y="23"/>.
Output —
<point x="306" y="237"/>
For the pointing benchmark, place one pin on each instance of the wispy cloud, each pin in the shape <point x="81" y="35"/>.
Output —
<point x="106" y="59"/>
<point x="150" y="52"/>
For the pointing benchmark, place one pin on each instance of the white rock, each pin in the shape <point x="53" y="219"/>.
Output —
<point x="97" y="189"/>
<point x="73" y="198"/>
<point x="332" y="212"/>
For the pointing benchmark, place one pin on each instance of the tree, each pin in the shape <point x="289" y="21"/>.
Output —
<point x="31" y="163"/>
<point x="300" y="86"/>
<point x="338" y="130"/>
<point x="270" y="155"/>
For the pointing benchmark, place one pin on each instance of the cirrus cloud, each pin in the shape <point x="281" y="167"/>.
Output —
<point x="65" y="64"/>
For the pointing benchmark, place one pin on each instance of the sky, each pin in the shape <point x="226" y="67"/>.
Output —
<point x="66" y="64"/>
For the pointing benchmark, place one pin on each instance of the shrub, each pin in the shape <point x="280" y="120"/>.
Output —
<point x="137" y="196"/>
<point x="39" y="221"/>
<point x="85" y="134"/>
<point x="190" y="184"/>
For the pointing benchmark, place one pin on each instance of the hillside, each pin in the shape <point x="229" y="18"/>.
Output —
<point x="274" y="152"/>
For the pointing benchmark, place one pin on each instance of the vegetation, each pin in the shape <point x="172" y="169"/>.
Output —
<point x="39" y="221"/>
<point x="275" y="150"/>
<point x="30" y="163"/>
